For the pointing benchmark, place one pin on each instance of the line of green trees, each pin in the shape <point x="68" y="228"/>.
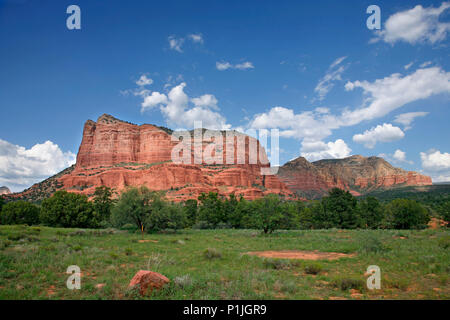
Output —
<point x="149" y="211"/>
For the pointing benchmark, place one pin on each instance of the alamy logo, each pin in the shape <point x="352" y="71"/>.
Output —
<point x="374" y="280"/>
<point x="374" y="20"/>
<point x="74" y="20"/>
<point x="213" y="147"/>
<point x="74" y="280"/>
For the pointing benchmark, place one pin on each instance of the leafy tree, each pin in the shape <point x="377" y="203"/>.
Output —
<point x="2" y="202"/>
<point x="190" y="211"/>
<point x="135" y="206"/>
<point x="267" y="215"/>
<point x="406" y="214"/>
<point x="211" y="209"/>
<point x="243" y="215"/>
<point x="341" y="209"/>
<point x="371" y="212"/>
<point x="103" y="202"/>
<point x="19" y="212"/>
<point x="69" y="210"/>
<point x="168" y="216"/>
<point x="445" y="211"/>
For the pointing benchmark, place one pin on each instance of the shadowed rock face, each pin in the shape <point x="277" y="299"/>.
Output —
<point x="119" y="154"/>
<point x="356" y="174"/>
<point x="4" y="190"/>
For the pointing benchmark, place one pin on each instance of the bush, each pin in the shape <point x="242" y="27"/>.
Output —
<point x="166" y="217"/>
<point x="212" y="253"/>
<point x="406" y="214"/>
<point x="371" y="244"/>
<point x="277" y="264"/>
<point x="349" y="283"/>
<point x="20" y="212"/>
<point x="313" y="269"/>
<point x="69" y="210"/>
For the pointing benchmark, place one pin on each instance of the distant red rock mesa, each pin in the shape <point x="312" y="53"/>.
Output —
<point x="119" y="154"/>
<point x="357" y="174"/>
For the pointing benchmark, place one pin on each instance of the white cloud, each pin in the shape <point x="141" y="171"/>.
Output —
<point x="144" y="81"/>
<point x="224" y="65"/>
<point x="406" y="119"/>
<point x="206" y="100"/>
<point x="425" y="64"/>
<point x="399" y="155"/>
<point x="436" y="164"/>
<point x="176" y="109"/>
<point x="392" y="92"/>
<point x="175" y="43"/>
<point x="153" y="100"/>
<point x="382" y="97"/>
<point x="21" y="167"/>
<point x="196" y="37"/>
<point x="333" y="74"/>
<point x="316" y="150"/>
<point x="381" y="133"/>
<point x="416" y="25"/>
<point x="409" y="65"/>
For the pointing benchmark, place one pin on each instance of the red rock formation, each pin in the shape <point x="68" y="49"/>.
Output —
<point x="356" y="174"/>
<point x="118" y="154"/>
<point x="147" y="281"/>
<point x="4" y="190"/>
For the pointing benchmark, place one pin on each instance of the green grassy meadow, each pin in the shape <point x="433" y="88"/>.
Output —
<point x="33" y="263"/>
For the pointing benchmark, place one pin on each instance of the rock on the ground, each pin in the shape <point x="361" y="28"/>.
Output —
<point x="147" y="281"/>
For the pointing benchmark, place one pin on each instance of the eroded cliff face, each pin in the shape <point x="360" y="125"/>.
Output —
<point x="118" y="154"/>
<point x="356" y="174"/>
<point x="4" y="190"/>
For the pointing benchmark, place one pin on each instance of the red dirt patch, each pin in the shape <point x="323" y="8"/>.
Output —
<point x="142" y="241"/>
<point x="301" y="255"/>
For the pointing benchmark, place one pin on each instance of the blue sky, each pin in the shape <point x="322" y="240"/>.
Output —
<point x="312" y="69"/>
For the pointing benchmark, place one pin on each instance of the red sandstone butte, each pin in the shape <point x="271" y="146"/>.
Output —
<point x="118" y="154"/>
<point x="357" y="174"/>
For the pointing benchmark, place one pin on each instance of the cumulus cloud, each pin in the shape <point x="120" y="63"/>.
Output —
<point x="399" y="155"/>
<point x="176" y="108"/>
<point x="316" y="150"/>
<point x="333" y="74"/>
<point x="206" y="100"/>
<point x="416" y="25"/>
<point x="382" y="96"/>
<point x="144" y="81"/>
<point x="21" y="167"/>
<point x="392" y="92"/>
<point x="436" y="164"/>
<point x="224" y="65"/>
<point x="406" y="119"/>
<point x="381" y="133"/>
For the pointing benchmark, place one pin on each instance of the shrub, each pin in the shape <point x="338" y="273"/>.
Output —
<point x="371" y="212"/>
<point x="372" y="244"/>
<point x="69" y="210"/>
<point x="166" y="217"/>
<point x="277" y="264"/>
<point x="406" y="214"/>
<point x="20" y="212"/>
<point x="313" y="268"/>
<point x="212" y="253"/>
<point x="349" y="283"/>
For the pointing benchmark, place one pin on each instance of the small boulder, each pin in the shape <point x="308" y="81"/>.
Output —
<point x="147" y="281"/>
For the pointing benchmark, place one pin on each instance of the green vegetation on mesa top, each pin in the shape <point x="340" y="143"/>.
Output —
<point x="212" y="264"/>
